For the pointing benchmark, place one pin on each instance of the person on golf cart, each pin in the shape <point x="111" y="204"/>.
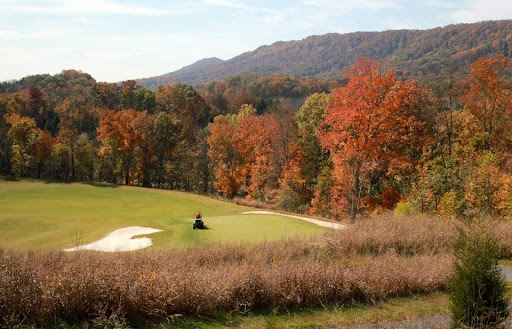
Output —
<point x="198" y="220"/>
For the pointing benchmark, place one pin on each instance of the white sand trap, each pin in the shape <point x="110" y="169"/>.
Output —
<point x="307" y="219"/>
<point x="120" y="240"/>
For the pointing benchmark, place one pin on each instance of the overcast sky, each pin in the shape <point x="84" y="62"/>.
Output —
<point x="115" y="40"/>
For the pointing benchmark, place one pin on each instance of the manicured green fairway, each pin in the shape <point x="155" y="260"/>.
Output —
<point x="39" y="216"/>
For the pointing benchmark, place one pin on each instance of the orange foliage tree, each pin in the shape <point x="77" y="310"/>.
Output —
<point x="369" y="128"/>
<point x="227" y="160"/>
<point x="122" y="132"/>
<point x="489" y="98"/>
<point x="256" y="139"/>
<point x="242" y="148"/>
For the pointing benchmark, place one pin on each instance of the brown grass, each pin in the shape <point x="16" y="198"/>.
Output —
<point x="254" y="203"/>
<point x="411" y="235"/>
<point x="43" y="288"/>
<point x="372" y="261"/>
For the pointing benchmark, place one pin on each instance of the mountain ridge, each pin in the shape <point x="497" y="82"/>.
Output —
<point x="410" y="52"/>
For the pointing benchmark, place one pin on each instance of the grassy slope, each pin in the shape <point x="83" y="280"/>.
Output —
<point x="38" y="215"/>
<point x="405" y="308"/>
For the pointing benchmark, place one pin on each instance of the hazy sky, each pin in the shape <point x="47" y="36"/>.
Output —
<point x="115" y="40"/>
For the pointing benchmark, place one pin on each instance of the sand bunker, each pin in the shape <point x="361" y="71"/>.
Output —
<point x="120" y="240"/>
<point x="307" y="219"/>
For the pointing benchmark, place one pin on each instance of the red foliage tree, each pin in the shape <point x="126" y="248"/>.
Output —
<point x="369" y="127"/>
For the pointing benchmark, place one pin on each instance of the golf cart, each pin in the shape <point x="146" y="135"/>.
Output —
<point x="198" y="220"/>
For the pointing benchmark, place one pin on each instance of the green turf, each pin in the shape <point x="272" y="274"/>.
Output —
<point x="39" y="216"/>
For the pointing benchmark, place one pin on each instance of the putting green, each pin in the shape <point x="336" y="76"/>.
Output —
<point x="39" y="216"/>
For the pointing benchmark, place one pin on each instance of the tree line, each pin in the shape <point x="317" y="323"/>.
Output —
<point x="360" y="145"/>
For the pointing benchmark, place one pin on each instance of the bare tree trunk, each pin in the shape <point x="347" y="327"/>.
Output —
<point x="72" y="163"/>
<point x="355" y="196"/>
<point x="127" y="175"/>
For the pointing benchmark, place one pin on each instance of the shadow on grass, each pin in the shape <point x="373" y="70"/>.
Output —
<point x="12" y="178"/>
<point x="402" y="312"/>
<point x="9" y="178"/>
<point x="272" y="317"/>
<point x="69" y="182"/>
<point x="101" y="184"/>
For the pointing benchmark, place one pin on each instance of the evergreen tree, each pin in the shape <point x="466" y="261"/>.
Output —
<point x="478" y="290"/>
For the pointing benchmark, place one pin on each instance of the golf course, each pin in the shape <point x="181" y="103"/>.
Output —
<point x="36" y="215"/>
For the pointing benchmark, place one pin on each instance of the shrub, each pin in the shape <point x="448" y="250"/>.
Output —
<point x="478" y="289"/>
<point x="390" y="197"/>
<point x="451" y="205"/>
<point x="291" y="200"/>
<point x="404" y="208"/>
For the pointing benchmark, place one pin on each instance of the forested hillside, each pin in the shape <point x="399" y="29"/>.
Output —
<point x="413" y="53"/>
<point x="372" y="143"/>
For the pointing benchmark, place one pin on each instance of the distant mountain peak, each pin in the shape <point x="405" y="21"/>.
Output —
<point x="204" y="63"/>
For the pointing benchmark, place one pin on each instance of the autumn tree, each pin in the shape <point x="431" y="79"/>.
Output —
<point x="369" y="129"/>
<point x="67" y="136"/>
<point x="36" y="107"/>
<point x="42" y="112"/>
<point x="85" y="157"/>
<point x="128" y="89"/>
<point x="284" y="112"/>
<point x="489" y="187"/>
<point x="292" y="190"/>
<point x="256" y="142"/>
<point x="489" y="98"/>
<point x="106" y="95"/>
<point x="226" y="158"/>
<point x="242" y="148"/>
<point x="120" y="133"/>
<point x="25" y="138"/>
<point x="182" y="167"/>
<point x="5" y="141"/>
<point x="141" y="124"/>
<point x="165" y="133"/>
<point x="183" y="103"/>
<point x="144" y="100"/>
<point x="472" y="181"/>
<point x="204" y="166"/>
<point x="441" y="179"/>
<point x="316" y="160"/>
<point x="43" y="151"/>
<point x="213" y="94"/>
<point x="445" y="103"/>
<point x="236" y="95"/>
<point x="306" y="159"/>
<point x="60" y="162"/>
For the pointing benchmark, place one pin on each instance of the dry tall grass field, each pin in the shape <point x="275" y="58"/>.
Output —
<point x="371" y="261"/>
